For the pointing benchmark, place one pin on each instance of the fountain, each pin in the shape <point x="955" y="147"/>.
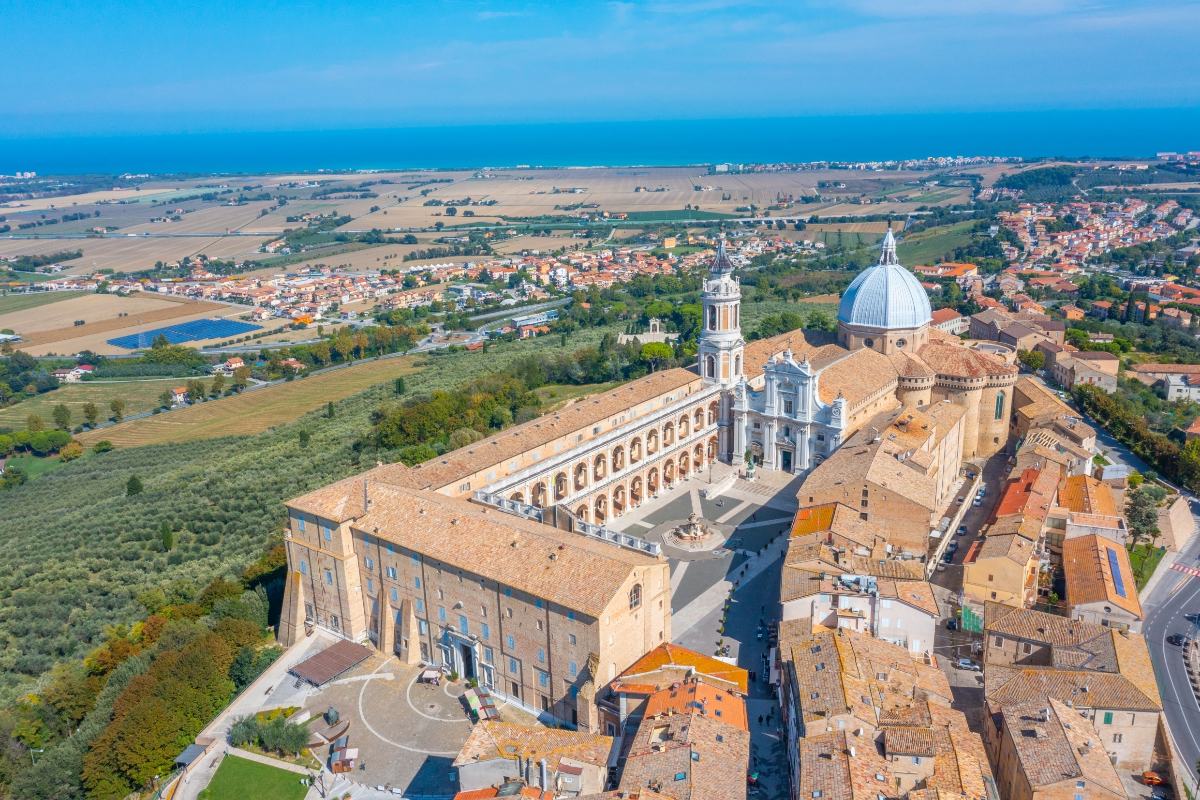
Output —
<point x="691" y="534"/>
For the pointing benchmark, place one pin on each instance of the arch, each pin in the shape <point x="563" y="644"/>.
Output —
<point x="668" y="434"/>
<point x="618" y="500"/>
<point x="698" y="419"/>
<point x="698" y="455"/>
<point x="518" y="496"/>
<point x="635" y="450"/>
<point x="652" y="481"/>
<point x="635" y="492"/>
<point x="581" y="476"/>
<point x="652" y="442"/>
<point x="669" y="473"/>
<point x="635" y="596"/>
<point x="539" y="495"/>
<point x="599" y="467"/>
<point x="737" y="364"/>
<point x="601" y="506"/>
<point x="1000" y="404"/>
<point x="581" y="513"/>
<point x="710" y="367"/>
<point x="618" y="458"/>
<point x="712" y="318"/>
<point x="714" y="412"/>
<point x="561" y="486"/>
<point x="712" y="448"/>
<point x="684" y="426"/>
<point x="685" y="464"/>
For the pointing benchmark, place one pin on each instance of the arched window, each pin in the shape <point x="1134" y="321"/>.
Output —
<point x="1000" y="405"/>
<point x="710" y="367"/>
<point x="737" y="365"/>
<point x="712" y="318"/>
<point x="635" y="596"/>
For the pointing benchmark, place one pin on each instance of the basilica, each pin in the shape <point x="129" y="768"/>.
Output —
<point x="500" y="560"/>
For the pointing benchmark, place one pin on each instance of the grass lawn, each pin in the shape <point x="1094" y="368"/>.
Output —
<point x="934" y="244"/>
<point x="239" y="778"/>
<point x="20" y="302"/>
<point x="33" y="466"/>
<point x="139" y="395"/>
<point x="1144" y="559"/>
<point x="252" y="411"/>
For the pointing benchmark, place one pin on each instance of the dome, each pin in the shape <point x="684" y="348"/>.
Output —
<point x="885" y="296"/>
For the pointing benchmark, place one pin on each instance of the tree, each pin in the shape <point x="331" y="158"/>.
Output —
<point x="166" y="398"/>
<point x="102" y="446"/>
<point x="71" y="451"/>
<point x="1033" y="360"/>
<point x="329" y="412"/>
<point x="195" y="390"/>
<point x="1142" y="513"/>
<point x="117" y="407"/>
<point x="167" y="537"/>
<point x="133" y="486"/>
<point x="91" y="413"/>
<point x="305" y="437"/>
<point x="62" y="416"/>
<point x="34" y="423"/>
<point x="400" y="386"/>
<point x="656" y="353"/>
<point x="218" y="385"/>
<point x="241" y="377"/>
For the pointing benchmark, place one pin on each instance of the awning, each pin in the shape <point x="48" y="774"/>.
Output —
<point x="331" y="662"/>
<point x="190" y="754"/>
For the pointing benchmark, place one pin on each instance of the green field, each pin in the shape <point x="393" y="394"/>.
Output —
<point x="139" y="395"/>
<point x="19" y="302"/>
<point x="239" y="778"/>
<point x="33" y="466"/>
<point x="933" y="245"/>
<point x="1144" y="559"/>
<point x="676" y="214"/>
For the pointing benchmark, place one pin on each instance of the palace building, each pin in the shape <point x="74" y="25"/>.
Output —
<point x="497" y="559"/>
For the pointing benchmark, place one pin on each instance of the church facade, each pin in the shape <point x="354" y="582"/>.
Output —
<point x="425" y="562"/>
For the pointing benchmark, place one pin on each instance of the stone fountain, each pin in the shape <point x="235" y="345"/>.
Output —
<point x="691" y="534"/>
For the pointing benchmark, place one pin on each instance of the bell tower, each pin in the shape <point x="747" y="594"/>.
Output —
<point x="720" y="346"/>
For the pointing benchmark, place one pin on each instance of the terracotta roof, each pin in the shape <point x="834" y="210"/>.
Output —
<point x="1058" y="746"/>
<point x="565" y="568"/>
<point x="1084" y="688"/>
<point x="856" y="375"/>
<point x="1085" y="494"/>
<point x="828" y="765"/>
<point x="813" y="519"/>
<point x="1167" y="369"/>
<point x="673" y="655"/>
<point x="697" y="697"/>
<point x="1016" y="548"/>
<point x="494" y="791"/>
<point x="1097" y="570"/>
<point x="945" y="315"/>
<point x="506" y="740"/>
<point x="578" y="416"/>
<point x="688" y="756"/>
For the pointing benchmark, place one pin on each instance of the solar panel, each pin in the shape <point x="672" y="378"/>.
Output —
<point x="186" y="332"/>
<point x="1118" y="579"/>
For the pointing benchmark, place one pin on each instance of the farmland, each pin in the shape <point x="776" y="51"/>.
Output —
<point x="139" y="395"/>
<point x="12" y="303"/>
<point x="255" y="410"/>
<point x="934" y="244"/>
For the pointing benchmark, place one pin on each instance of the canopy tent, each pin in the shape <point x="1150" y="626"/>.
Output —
<point x="331" y="662"/>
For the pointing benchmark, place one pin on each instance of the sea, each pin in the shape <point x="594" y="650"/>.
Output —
<point x="1126" y="133"/>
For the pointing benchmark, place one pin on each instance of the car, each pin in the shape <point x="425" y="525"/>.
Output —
<point x="952" y="624"/>
<point x="967" y="664"/>
<point x="952" y="547"/>
<point x="1176" y="639"/>
<point x="978" y="501"/>
<point x="962" y="531"/>
<point x="1151" y="778"/>
<point x="941" y="567"/>
<point x="962" y="499"/>
<point x="948" y="557"/>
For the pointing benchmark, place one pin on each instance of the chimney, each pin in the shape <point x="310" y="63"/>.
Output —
<point x="542" y="765"/>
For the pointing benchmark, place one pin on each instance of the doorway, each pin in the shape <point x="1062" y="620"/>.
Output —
<point x="785" y="457"/>
<point x="468" y="660"/>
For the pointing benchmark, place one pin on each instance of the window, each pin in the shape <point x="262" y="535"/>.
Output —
<point x="370" y="586"/>
<point x="510" y="642"/>
<point x="999" y="642"/>
<point x="513" y="667"/>
<point x="329" y="577"/>
<point x="572" y="669"/>
<point x="327" y="532"/>
<point x="441" y="613"/>
<point x="538" y="602"/>
<point x="1028" y="648"/>
<point x="1000" y="405"/>
<point x="695" y="756"/>
<point x="507" y="591"/>
<point x="543" y="678"/>
<point x="488" y="656"/>
<point x="300" y="523"/>
<point x="370" y="563"/>
<point x="1108" y="717"/>
<point x="541" y="656"/>
<point x="420" y="606"/>
<point x="570" y="615"/>
<point x="787" y="408"/>
<point x="335" y="623"/>
<point x="680" y="776"/>
<point x="422" y="627"/>
<point x="571" y="639"/>
<point x="303" y="567"/>
<point x="395" y="595"/>
<point x="635" y="596"/>
<point x="484" y="631"/>
<point x="391" y="573"/>
<point x="463" y="626"/>
<point x="1116" y="738"/>
<point x="308" y="612"/>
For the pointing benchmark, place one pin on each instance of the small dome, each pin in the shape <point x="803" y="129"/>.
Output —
<point x="885" y="296"/>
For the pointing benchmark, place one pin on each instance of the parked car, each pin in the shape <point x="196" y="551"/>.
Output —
<point x="962" y="530"/>
<point x="978" y="501"/>
<point x="1151" y="778"/>
<point x="952" y="624"/>
<point x="1176" y="639"/>
<point x="948" y="557"/>
<point x="968" y="664"/>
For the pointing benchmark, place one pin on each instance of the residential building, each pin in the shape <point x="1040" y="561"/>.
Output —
<point x="1100" y="583"/>
<point x="559" y="763"/>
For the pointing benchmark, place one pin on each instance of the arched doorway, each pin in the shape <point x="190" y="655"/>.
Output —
<point x="651" y="443"/>
<point x="713" y="412"/>
<point x="669" y="474"/>
<point x="635" y="450"/>
<point x="599" y="467"/>
<point x="539" y="495"/>
<point x="618" y="458"/>
<point x="601" y="510"/>
<point x="635" y="492"/>
<point x="518" y="497"/>
<point x="698" y="419"/>
<point x="685" y="426"/>
<point x="560" y="486"/>
<point x="668" y="434"/>
<point x="618" y="501"/>
<point x="581" y="513"/>
<point x="685" y="463"/>
<point x="712" y="448"/>
<point x="652" y="481"/>
<point x="581" y="476"/>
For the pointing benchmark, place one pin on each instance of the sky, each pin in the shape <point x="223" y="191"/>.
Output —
<point x="95" y="66"/>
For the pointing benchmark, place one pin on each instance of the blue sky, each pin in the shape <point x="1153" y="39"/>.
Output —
<point x="98" y="66"/>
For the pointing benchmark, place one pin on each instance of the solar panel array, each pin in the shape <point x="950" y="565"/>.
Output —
<point x="1118" y="578"/>
<point x="185" y="332"/>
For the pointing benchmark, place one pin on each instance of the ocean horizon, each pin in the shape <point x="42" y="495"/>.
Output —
<point x="1127" y="133"/>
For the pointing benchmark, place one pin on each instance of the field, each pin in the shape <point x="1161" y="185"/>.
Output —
<point x="20" y="302"/>
<point x="128" y="253"/>
<point x="239" y="778"/>
<point x="196" y="330"/>
<point x="33" y="466"/>
<point x="252" y="411"/>
<point x="934" y="244"/>
<point x="106" y="317"/>
<point x="555" y="396"/>
<point x="139" y="395"/>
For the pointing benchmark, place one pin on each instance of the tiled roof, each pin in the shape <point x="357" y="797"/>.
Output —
<point x="687" y="756"/>
<point x="1085" y="494"/>
<point x="578" y="416"/>
<point x="343" y="500"/>
<point x="856" y="375"/>
<point x="494" y="739"/>
<point x="696" y="697"/>
<point x="565" y="568"/>
<point x="843" y="767"/>
<point x="1015" y="548"/>
<point x="1083" y="688"/>
<point x="1097" y="570"/>
<point x="673" y="655"/>
<point x="1054" y="743"/>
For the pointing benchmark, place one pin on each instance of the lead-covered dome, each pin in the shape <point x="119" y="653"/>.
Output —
<point x="885" y="296"/>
